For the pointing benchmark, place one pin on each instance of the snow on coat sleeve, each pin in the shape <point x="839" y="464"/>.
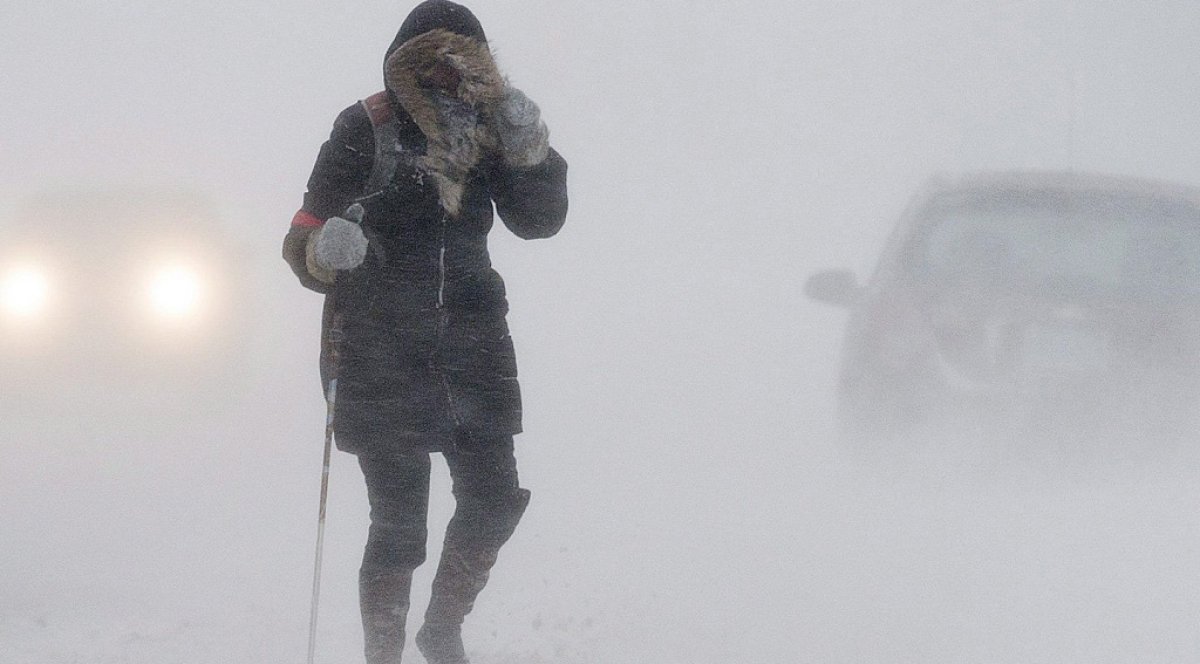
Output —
<point x="532" y="202"/>
<point x="341" y="171"/>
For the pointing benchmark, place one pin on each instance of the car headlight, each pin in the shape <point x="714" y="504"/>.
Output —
<point x="175" y="292"/>
<point x="24" y="292"/>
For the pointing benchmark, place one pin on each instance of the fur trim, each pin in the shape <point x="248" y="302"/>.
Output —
<point x="454" y="127"/>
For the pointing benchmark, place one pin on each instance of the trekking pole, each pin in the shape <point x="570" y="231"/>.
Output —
<point x="330" y="399"/>
<point x="353" y="213"/>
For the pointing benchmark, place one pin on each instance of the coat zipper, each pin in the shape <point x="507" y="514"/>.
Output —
<point x="441" y="290"/>
<point x="441" y="300"/>
<point x="442" y="322"/>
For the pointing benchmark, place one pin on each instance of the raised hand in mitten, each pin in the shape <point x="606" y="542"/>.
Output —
<point x="524" y="138"/>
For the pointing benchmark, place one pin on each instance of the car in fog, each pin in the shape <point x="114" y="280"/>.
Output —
<point x="123" y="300"/>
<point x="1056" y="307"/>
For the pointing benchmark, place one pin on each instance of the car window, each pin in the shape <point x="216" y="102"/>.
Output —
<point x="1093" y="244"/>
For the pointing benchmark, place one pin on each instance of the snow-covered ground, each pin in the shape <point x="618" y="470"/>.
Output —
<point x="115" y="554"/>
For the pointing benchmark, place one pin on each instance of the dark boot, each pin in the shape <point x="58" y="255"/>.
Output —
<point x="473" y="541"/>
<point x="441" y="644"/>
<point x="383" y="599"/>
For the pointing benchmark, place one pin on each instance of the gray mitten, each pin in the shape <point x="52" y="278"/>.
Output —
<point x="524" y="138"/>
<point x="340" y="243"/>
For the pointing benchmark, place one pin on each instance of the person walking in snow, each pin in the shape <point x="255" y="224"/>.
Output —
<point x="414" y="326"/>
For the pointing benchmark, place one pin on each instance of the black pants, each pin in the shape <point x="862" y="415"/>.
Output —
<point x="488" y="498"/>
<point x="488" y="505"/>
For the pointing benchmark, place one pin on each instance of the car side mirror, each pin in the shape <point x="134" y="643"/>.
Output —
<point x="838" y="287"/>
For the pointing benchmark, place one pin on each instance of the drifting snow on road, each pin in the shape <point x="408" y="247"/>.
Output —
<point x="824" y="559"/>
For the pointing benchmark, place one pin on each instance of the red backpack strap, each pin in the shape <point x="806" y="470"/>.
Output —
<point x="379" y="108"/>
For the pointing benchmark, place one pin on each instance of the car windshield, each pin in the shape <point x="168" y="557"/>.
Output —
<point x="1085" y="244"/>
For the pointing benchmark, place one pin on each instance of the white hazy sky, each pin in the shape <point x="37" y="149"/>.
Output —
<point x="688" y="505"/>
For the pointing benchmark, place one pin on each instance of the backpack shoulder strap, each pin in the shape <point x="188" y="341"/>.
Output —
<point x="378" y="108"/>
<point x="387" y="142"/>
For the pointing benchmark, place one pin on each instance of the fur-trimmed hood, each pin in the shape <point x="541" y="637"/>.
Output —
<point x="455" y="127"/>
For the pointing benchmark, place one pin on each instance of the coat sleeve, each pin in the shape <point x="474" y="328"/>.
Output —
<point x="342" y="168"/>
<point x="532" y="202"/>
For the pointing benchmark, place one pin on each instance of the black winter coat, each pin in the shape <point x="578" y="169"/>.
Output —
<point x="417" y="334"/>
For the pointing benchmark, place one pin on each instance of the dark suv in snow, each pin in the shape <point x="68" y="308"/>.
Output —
<point x="1047" y="306"/>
